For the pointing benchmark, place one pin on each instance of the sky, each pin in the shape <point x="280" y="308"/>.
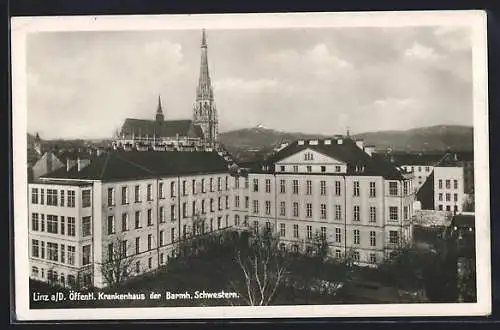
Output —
<point x="317" y="80"/>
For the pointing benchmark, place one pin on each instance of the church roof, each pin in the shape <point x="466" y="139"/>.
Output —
<point x="347" y="152"/>
<point x="134" y="165"/>
<point x="168" y="128"/>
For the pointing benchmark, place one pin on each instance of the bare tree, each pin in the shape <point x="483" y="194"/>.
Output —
<point x="263" y="266"/>
<point x="115" y="268"/>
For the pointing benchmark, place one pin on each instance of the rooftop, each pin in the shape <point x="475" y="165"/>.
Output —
<point x="167" y="128"/>
<point x="130" y="165"/>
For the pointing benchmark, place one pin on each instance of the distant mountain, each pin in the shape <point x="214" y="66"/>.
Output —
<point x="250" y="143"/>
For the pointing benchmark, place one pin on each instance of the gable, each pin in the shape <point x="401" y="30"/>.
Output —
<point x="310" y="157"/>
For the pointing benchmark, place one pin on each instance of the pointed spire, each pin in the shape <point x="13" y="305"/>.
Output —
<point x="204" y="84"/>
<point x="159" y="110"/>
<point x="203" y="39"/>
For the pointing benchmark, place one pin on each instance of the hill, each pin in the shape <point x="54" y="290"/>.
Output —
<point x="250" y="143"/>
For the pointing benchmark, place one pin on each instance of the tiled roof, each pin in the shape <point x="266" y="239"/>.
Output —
<point x="167" y="128"/>
<point x="347" y="152"/>
<point x="425" y="159"/>
<point x="129" y="165"/>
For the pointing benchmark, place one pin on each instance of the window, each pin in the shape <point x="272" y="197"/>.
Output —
<point x="393" y="237"/>
<point x="440" y="207"/>
<point x="455" y="184"/>
<point x="455" y="197"/>
<point x="203" y="185"/>
<point x="203" y="206"/>
<point x="455" y="208"/>
<point x="63" y="225"/>
<point x="308" y="156"/>
<point x="124" y="221"/>
<point x="373" y="214"/>
<point x="162" y="214"/>
<point x="448" y="197"/>
<point x="184" y="190"/>
<point x="226" y="183"/>
<point x="150" y="262"/>
<point x="193" y="208"/>
<point x="338" y="168"/>
<point x="218" y="222"/>
<point x="138" y="267"/>
<point x="42" y="222"/>
<point x="355" y="256"/>
<point x="309" y="210"/>
<point x="52" y="197"/>
<point x="405" y="213"/>
<point x="427" y="169"/>
<point x="160" y="190"/>
<point x="71" y="226"/>
<point x="323" y="168"/>
<point x="295" y="248"/>
<point x="52" y="251"/>
<point x="111" y="224"/>
<point x="219" y="203"/>
<point x="338" y="254"/>
<point x="296" y="231"/>
<point x="86" y="198"/>
<point x="124" y="248"/>
<point x="337" y="188"/>
<point x="282" y="186"/>
<point x="111" y="196"/>
<point x="247" y="202"/>
<point x="323" y="232"/>
<point x="236" y="220"/>
<point x="448" y="208"/>
<point x="227" y="202"/>
<point x="172" y="212"/>
<point x="405" y="188"/>
<point x="42" y="196"/>
<point x="373" y="192"/>
<point x="86" y="227"/>
<point x="71" y="255"/>
<point x="172" y="235"/>
<point x="237" y="202"/>
<point x="162" y="258"/>
<point x="393" y="188"/>
<point x="150" y="240"/>
<point x="309" y="168"/>
<point x="35" y="248"/>
<point x="282" y="168"/>
<point x="211" y="204"/>
<point x="440" y="197"/>
<point x="52" y="224"/>
<point x="268" y="207"/>
<point x="42" y="250"/>
<point x="356" y="216"/>
<point x="219" y="184"/>
<point x="184" y="209"/>
<point x="34" y="196"/>
<point x="237" y="183"/>
<point x="124" y="195"/>
<point x="309" y="232"/>
<point x="295" y="209"/>
<point x="137" y="194"/>
<point x="338" y="235"/>
<point x="323" y="211"/>
<point x="110" y="252"/>
<point x="322" y="187"/>
<point x="308" y="187"/>
<point x="172" y="189"/>
<point x="255" y="206"/>
<point x="255" y="185"/>
<point x="356" y="189"/>
<point x="420" y="168"/>
<point x="440" y="184"/>
<point x="137" y="245"/>
<point x="137" y="219"/>
<point x="373" y="238"/>
<point x="356" y="236"/>
<point x="282" y="208"/>
<point x="295" y="187"/>
<point x="338" y="212"/>
<point x="150" y="217"/>
<point x="295" y="168"/>
<point x="149" y="192"/>
<point x="246" y="183"/>
<point x="35" y="222"/>
<point x="282" y="229"/>
<point x="448" y="184"/>
<point x="268" y="185"/>
<point x="393" y="213"/>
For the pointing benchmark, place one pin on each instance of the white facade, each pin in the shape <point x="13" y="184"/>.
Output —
<point x="449" y="189"/>
<point x="421" y="173"/>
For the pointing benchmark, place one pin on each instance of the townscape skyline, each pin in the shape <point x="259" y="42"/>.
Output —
<point x="79" y="88"/>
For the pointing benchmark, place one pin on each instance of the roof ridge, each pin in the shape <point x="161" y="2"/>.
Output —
<point x="136" y="165"/>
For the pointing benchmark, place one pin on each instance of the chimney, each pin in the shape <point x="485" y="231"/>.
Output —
<point x="360" y="143"/>
<point x="70" y="163"/>
<point x="313" y="142"/>
<point x="82" y="163"/>
<point x="328" y="141"/>
<point x="370" y="150"/>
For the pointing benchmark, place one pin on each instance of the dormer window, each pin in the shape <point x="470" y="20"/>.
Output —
<point x="308" y="156"/>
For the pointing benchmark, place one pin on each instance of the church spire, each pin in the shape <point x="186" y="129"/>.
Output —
<point x="159" y="110"/>
<point x="204" y="84"/>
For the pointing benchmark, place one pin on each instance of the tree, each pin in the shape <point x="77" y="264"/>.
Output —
<point x="263" y="266"/>
<point x="115" y="268"/>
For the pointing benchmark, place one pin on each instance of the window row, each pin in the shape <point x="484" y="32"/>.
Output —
<point x="60" y="225"/>
<point x="64" y="254"/>
<point x="447" y="184"/>
<point x="63" y="198"/>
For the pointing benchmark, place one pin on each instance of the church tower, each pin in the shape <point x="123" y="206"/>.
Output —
<point x="204" y="110"/>
<point x="159" y="111"/>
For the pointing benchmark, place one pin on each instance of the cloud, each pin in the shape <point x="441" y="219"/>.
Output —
<point x="454" y="39"/>
<point x="394" y="103"/>
<point x="238" y="85"/>
<point x="421" y="52"/>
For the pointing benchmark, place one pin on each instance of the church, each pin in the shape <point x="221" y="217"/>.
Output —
<point x="197" y="133"/>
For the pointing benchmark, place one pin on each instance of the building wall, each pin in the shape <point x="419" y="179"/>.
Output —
<point x="449" y="189"/>
<point x="421" y="172"/>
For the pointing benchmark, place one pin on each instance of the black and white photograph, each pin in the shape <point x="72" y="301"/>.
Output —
<point x="262" y="165"/>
